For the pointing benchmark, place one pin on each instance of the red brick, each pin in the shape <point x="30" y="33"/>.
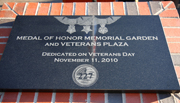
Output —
<point x="97" y="98"/>
<point x="118" y="8"/>
<point x="165" y="3"/>
<point x="7" y="14"/>
<point x="173" y="39"/>
<point x="143" y="8"/>
<point x="67" y="9"/>
<point x="80" y="9"/>
<point x="105" y="8"/>
<point x="10" y="97"/>
<point x="177" y="69"/>
<point x="2" y="47"/>
<point x="5" y="31"/>
<point x="27" y="97"/>
<point x="5" y="7"/>
<point x="170" y="22"/>
<point x="44" y="9"/>
<point x="169" y="13"/>
<point x="3" y="39"/>
<point x="31" y="9"/>
<point x="172" y="31"/>
<point x="172" y="6"/>
<point x="11" y="4"/>
<point x="56" y="9"/>
<point x="133" y="98"/>
<point x="19" y="8"/>
<point x="174" y="47"/>
<point x="44" y="97"/>
<point x="79" y="97"/>
<point x="62" y="97"/>
<point x="150" y="98"/>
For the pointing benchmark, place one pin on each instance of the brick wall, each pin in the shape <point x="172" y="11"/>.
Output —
<point x="170" y="22"/>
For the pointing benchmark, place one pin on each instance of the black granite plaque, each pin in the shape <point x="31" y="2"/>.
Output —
<point x="121" y="53"/>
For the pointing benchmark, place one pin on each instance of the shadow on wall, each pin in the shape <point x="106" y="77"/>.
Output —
<point x="178" y="10"/>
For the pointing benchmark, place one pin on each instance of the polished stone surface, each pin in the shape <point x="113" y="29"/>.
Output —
<point x="131" y="53"/>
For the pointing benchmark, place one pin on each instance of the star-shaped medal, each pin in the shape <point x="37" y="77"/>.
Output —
<point x="71" y="29"/>
<point x="86" y="29"/>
